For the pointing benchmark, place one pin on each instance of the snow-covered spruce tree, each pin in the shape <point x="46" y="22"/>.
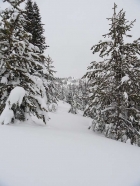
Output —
<point x="73" y="108"/>
<point x="69" y="98"/>
<point x="60" y="90"/>
<point x="34" y="25"/>
<point x="82" y="91"/>
<point x="29" y="16"/>
<point x="115" y="83"/>
<point x="72" y="100"/>
<point x="50" y="81"/>
<point x="22" y="93"/>
<point x="38" y="34"/>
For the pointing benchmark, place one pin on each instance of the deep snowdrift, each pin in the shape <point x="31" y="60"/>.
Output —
<point x="65" y="153"/>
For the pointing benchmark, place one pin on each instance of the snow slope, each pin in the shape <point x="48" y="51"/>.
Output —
<point x="65" y="153"/>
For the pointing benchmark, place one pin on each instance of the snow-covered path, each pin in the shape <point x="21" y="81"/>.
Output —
<point x="65" y="153"/>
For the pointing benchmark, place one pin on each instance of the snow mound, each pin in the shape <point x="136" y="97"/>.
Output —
<point x="16" y="96"/>
<point x="6" y="116"/>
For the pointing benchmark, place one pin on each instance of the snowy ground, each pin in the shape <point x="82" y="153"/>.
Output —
<point x="65" y="153"/>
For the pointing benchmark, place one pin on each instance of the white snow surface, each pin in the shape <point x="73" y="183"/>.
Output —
<point x="65" y="153"/>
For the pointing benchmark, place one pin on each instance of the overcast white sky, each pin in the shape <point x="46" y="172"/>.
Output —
<point x="72" y="27"/>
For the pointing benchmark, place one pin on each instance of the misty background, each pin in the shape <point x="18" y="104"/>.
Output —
<point x="72" y="27"/>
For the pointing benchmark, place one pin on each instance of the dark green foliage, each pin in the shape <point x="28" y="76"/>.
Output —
<point x="34" y="25"/>
<point x="20" y="65"/>
<point x="114" y="99"/>
<point x="38" y="37"/>
<point x="29" y="16"/>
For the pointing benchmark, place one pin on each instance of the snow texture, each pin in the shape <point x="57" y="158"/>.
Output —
<point x="6" y="116"/>
<point x="16" y="96"/>
<point x="65" y="153"/>
<point x="4" y="80"/>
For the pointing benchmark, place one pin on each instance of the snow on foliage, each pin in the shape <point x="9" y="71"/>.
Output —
<point x="52" y="107"/>
<point x="4" y="80"/>
<point x="115" y="84"/>
<point x="21" y="65"/>
<point x="125" y="95"/>
<point x="125" y="78"/>
<point x="6" y="116"/>
<point x="16" y="96"/>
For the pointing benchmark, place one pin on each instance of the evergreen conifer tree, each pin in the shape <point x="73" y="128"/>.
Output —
<point x="50" y="85"/>
<point x="73" y="108"/>
<point x="20" y="69"/>
<point x="29" y="16"/>
<point x="38" y="37"/>
<point x="34" y="25"/>
<point x="115" y="83"/>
